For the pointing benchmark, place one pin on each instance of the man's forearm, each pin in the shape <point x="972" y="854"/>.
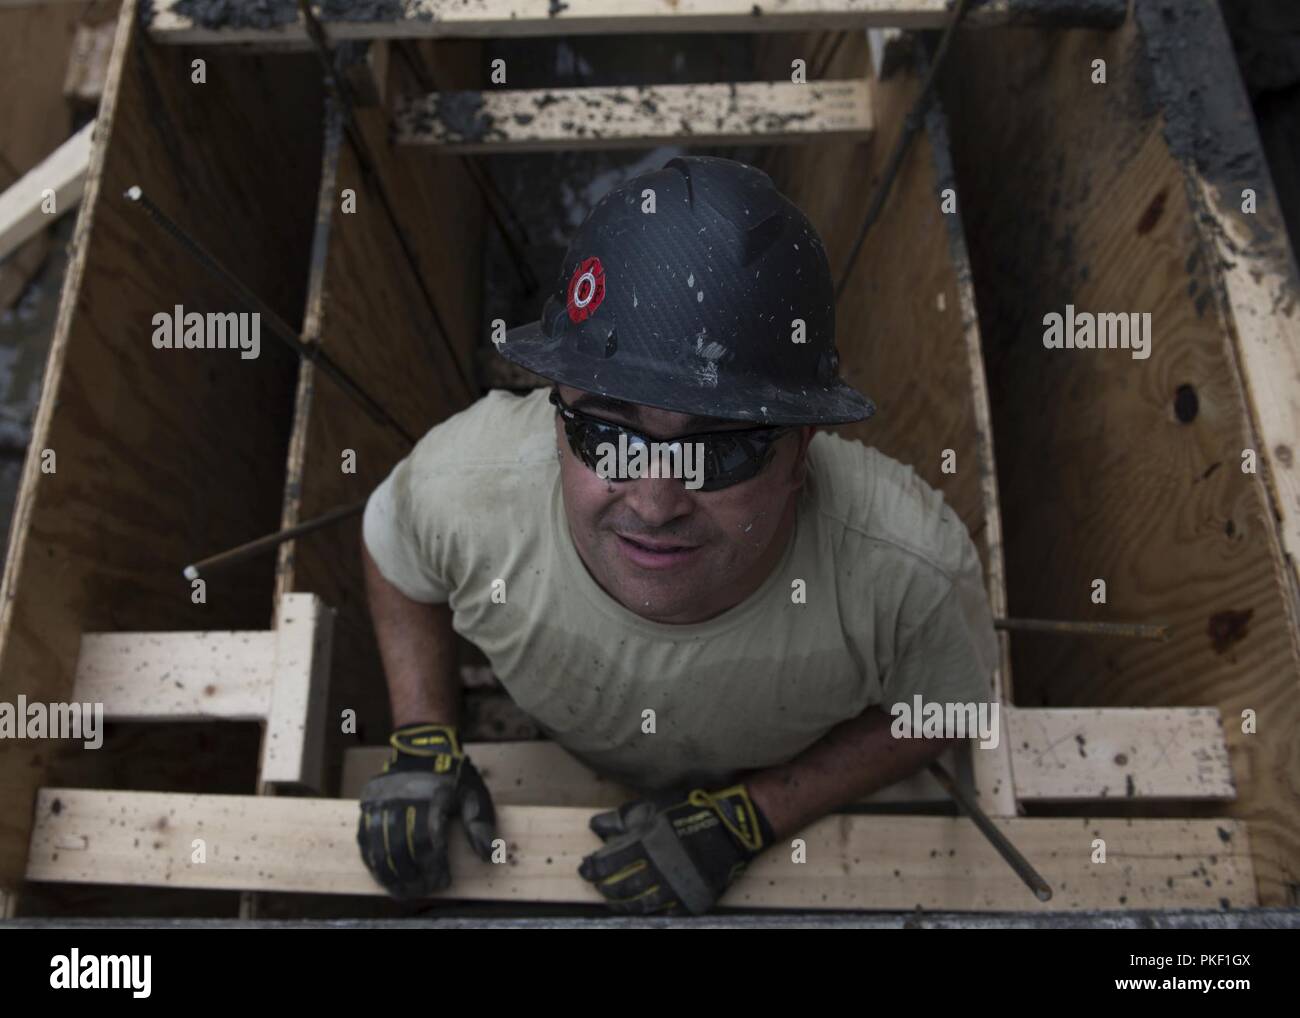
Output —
<point x="418" y="648"/>
<point x="852" y="760"/>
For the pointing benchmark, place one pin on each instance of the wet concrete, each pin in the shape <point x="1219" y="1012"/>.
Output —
<point x="26" y="331"/>
<point x="1266" y="37"/>
<point x="275" y="13"/>
<point x="1191" y="83"/>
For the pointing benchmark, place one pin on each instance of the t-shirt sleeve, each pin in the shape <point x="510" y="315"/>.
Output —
<point x="951" y="656"/>
<point x="391" y="531"/>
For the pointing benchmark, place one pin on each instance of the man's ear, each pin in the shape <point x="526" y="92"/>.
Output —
<point x="800" y="467"/>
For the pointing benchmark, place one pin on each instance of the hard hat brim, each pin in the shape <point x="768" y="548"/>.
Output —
<point x="656" y="385"/>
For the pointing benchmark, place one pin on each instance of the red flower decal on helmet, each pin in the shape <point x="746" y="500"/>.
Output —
<point x="586" y="289"/>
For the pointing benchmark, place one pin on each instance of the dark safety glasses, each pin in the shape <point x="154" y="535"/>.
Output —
<point x="729" y="457"/>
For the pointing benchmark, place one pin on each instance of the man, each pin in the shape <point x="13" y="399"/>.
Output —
<point x="724" y="638"/>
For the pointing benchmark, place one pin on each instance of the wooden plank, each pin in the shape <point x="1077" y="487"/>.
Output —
<point x="543" y="773"/>
<point x="161" y="455"/>
<point x="1110" y="467"/>
<point x="22" y="205"/>
<point x="1058" y="755"/>
<point x="252" y="842"/>
<point x="911" y="280"/>
<point x="295" y="723"/>
<point x="177" y="676"/>
<point x="1061" y="755"/>
<point x="637" y="116"/>
<point x="506" y="18"/>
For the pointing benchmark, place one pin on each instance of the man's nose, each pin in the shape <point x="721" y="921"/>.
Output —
<point x="657" y="500"/>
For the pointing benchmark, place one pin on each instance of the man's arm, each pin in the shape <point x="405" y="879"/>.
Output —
<point x="852" y="760"/>
<point x="418" y="648"/>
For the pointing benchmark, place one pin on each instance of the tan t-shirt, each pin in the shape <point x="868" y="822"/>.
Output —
<point x="894" y="606"/>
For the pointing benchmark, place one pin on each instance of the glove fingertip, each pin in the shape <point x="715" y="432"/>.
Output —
<point x="606" y="825"/>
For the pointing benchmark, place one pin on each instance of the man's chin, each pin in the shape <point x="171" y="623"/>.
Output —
<point x="662" y="595"/>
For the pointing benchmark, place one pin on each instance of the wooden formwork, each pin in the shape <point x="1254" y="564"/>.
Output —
<point x="157" y="454"/>
<point x="1128" y="196"/>
<point x="916" y="324"/>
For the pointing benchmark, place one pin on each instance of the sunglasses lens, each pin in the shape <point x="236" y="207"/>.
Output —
<point x="728" y="459"/>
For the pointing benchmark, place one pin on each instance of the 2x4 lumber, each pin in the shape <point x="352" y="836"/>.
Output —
<point x="634" y="116"/>
<point x="177" y="676"/>
<point x="509" y="18"/>
<point x="935" y="863"/>
<point x="1062" y="755"/>
<point x="295" y="735"/>
<point x="22" y="214"/>
<point x="543" y="773"/>
<point x="278" y="676"/>
<point x="1057" y="755"/>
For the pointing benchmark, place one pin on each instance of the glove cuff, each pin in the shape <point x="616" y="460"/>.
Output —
<point x="437" y="743"/>
<point x="740" y="815"/>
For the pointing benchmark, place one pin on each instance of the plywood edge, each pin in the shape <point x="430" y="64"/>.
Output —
<point x="260" y="843"/>
<point x="313" y="315"/>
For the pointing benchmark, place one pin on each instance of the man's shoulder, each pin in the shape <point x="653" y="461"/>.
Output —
<point x="500" y="435"/>
<point x="884" y="506"/>
<point x="498" y="429"/>
<point x="496" y="447"/>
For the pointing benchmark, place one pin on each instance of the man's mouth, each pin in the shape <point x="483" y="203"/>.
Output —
<point x="651" y="554"/>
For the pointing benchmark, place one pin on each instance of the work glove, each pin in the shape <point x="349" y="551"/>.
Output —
<point x="675" y="851"/>
<point x="406" y="811"/>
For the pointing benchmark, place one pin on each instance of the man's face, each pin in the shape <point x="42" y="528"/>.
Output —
<point x="666" y="552"/>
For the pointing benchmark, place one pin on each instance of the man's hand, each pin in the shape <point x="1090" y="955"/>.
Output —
<point x="406" y="811"/>
<point x="676" y="851"/>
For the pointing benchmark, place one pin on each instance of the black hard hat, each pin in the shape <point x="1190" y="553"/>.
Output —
<point x="691" y="307"/>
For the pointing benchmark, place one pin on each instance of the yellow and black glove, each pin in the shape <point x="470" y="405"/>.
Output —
<point x="677" y="851"/>
<point x="406" y="811"/>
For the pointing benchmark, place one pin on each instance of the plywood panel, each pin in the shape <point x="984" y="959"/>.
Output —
<point x="1111" y="467"/>
<point x="905" y="323"/>
<point x="370" y="315"/>
<point x="160" y="454"/>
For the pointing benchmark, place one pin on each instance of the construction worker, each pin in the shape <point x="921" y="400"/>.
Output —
<point x="727" y="639"/>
